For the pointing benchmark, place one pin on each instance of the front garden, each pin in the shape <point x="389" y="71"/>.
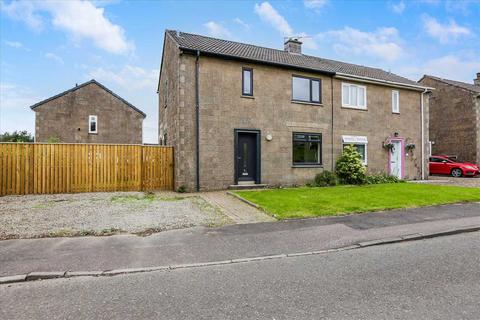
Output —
<point x="316" y="201"/>
<point x="350" y="190"/>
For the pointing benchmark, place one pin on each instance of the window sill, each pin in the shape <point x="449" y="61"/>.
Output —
<point x="247" y="97"/>
<point x="396" y="113"/>
<point x="354" y="108"/>
<point x="307" y="103"/>
<point x="307" y="166"/>
<point x="94" y="133"/>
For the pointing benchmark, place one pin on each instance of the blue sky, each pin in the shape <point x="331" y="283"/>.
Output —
<point x="46" y="47"/>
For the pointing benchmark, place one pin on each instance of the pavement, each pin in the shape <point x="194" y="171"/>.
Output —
<point x="202" y="244"/>
<point x="432" y="279"/>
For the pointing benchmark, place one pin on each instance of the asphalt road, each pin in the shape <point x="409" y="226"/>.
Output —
<point x="430" y="279"/>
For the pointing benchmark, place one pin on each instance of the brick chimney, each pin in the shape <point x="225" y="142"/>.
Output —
<point x="293" y="45"/>
<point x="477" y="81"/>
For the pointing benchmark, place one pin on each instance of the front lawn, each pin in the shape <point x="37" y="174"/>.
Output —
<point x="313" y="202"/>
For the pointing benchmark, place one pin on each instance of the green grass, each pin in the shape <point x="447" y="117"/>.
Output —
<point x="313" y="202"/>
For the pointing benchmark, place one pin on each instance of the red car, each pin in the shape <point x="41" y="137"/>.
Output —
<point x="448" y="165"/>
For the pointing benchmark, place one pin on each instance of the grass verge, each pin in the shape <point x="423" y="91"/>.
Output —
<point x="313" y="202"/>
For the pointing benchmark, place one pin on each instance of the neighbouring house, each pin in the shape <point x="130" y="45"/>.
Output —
<point x="455" y="117"/>
<point x="242" y="114"/>
<point x="88" y="113"/>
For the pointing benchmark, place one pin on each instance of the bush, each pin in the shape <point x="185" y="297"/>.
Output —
<point x="182" y="189"/>
<point x="381" y="178"/>
<point x="326" y="179"/>
<point x="349" y="167"/>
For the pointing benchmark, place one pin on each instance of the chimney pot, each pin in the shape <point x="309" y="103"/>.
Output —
<point x="477" y="80"/>
<point x="293" y="45"/>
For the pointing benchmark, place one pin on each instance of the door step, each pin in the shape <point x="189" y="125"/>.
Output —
<point x="247" y="186"/>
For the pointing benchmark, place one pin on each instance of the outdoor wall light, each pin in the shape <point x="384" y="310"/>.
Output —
<point x="268" y="137"/>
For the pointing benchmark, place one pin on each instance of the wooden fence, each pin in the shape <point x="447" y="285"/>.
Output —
<point x="36" y="168"/>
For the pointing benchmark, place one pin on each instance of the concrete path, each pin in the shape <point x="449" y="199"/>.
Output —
<point x="229" y="242"/>
<point x="434" y="279"/>
<point x="235" y="209"/>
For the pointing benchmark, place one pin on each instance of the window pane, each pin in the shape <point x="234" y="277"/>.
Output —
<point x="299" y="137"/>
<point x="345" y="95"/>
<point x="315" y="91"/>
<point x="312" y="152"/>
<point x="395" y="99"/>
<point x="247" y="82"/>
<point x="299" y="152"/>
<point x="361" y="97"/>
<point x="308" y="151"/>
<point x="353" y="96"/>
<point x="301" y="89"/>
<point x="361" y="149"/>
<point x="93" y="126"/>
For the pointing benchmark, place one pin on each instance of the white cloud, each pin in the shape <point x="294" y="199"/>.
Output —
<point x="383" y="43"/>
<point x="314" y="4"/>
<point x="54" y="57"/>
<point x="444" y="32"/>
<point x="242" y="23"/>
<point x="24" y="11"/>
<point x="14" y="44"/>
<point x="268" y="14"/>
<point x="452" y="67"/>
<point x="216" y="30"/>
<point x="129" y="78"/>
<point x="80" y="19"/>
<point x="399" y="7"/>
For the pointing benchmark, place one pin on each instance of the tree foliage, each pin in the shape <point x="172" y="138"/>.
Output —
<point x="349" y="167"/>
<point x="16" y="136"/>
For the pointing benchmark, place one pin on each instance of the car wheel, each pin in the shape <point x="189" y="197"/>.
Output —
<point x="457" y="173"/>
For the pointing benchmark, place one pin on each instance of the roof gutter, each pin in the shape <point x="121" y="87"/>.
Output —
<point x="345" y="76"/>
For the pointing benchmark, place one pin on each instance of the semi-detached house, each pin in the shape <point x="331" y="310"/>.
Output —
<point x="242" y="114"/>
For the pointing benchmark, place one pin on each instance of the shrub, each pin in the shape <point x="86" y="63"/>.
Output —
<point x="326" y="179"/>
<point x="182" y="189"/>
<point x="349" y="167"/>
<point x="381" y="178"/>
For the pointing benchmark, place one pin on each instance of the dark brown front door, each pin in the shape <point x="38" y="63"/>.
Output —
<point x="246" y="153"/>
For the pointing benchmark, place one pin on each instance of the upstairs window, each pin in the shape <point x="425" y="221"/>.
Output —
<point x="307" y="148"/>
<point x="354" y="96"/>
<point x="306" y="89"/>
<point x="92" y="124"/>
<point x="247" y="82"/>
<point x="395" y="101"/>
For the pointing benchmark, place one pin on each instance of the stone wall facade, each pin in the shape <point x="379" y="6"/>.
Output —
<point x="454" y="121"/>
<point x="66" y="118"/>
<point x="272" y="111"/>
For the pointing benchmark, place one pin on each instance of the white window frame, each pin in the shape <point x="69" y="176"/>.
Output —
<point x="349" y="104"/>
<point x="395" y="99"/>
<point x="357" y="140"/>
<point x="92" y="118"/>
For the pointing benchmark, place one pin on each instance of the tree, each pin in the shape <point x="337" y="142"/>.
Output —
<point x="16" y="136"/>
<point x="349" y="167"/>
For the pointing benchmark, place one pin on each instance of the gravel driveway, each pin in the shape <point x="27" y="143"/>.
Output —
<point x="57" y="215"/>
<point x="473" y="182"/>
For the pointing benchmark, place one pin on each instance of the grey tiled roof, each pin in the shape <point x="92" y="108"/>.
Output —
<point x="83" y="85"/>
<point x="188" y="41"/>
<point x="463" y="85"/>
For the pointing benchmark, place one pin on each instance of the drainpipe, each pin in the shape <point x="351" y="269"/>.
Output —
<point x="423" y="134"/>
<point x="331" y="86"/>
<point x="197" y="123"/>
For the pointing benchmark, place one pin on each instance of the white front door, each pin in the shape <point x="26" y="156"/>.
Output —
<point x="396" y="159"/>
